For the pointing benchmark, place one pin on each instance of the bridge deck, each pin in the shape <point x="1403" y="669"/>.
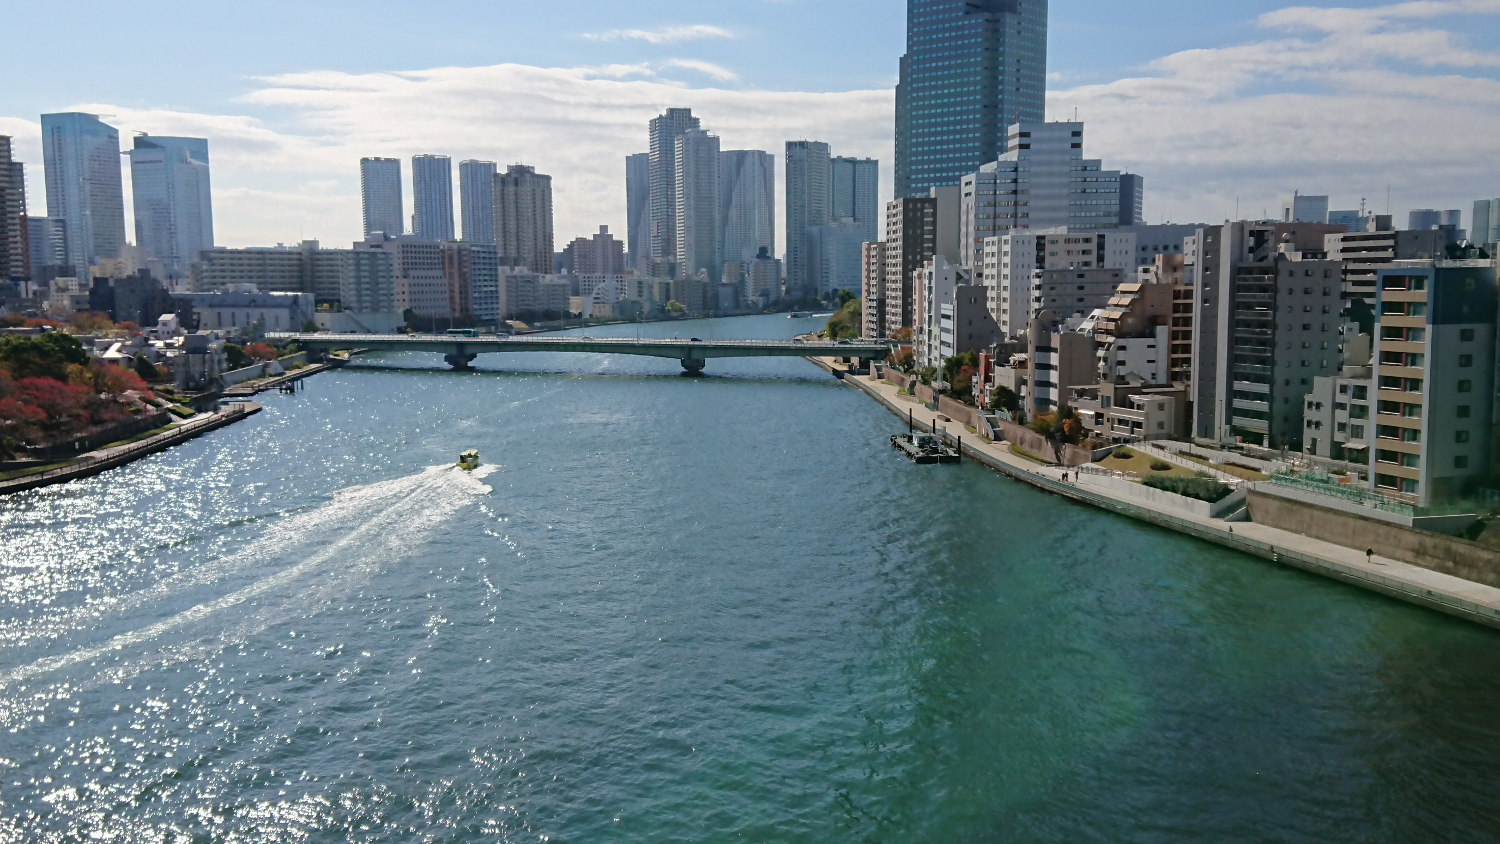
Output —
<point x="459" y="350"/>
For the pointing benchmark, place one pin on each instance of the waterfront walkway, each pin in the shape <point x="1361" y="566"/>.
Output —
<point x="1452" y="595"/>
<point x="104" y="459"/>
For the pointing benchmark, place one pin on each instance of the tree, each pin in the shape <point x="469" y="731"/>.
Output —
<point x="43" y="356"/>
<point x="260" y="351"/>
<point x="675" y="307"/>
<point x="145" y="368"/>
<point x="1004" y="398"/>
<point x="310" y="327"/>
<point x="902" y="360"/>
<point x="236" y="356"/>
<point x="92" y="322"/>
<point x="845" y="297"/>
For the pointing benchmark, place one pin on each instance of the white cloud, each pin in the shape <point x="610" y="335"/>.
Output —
<point x="1320" y="104"/>
<point x="1325" y="109"/>
<point x="706" y="68"/>
<point x="665" y="35"/>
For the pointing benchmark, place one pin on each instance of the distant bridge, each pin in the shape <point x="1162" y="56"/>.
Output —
<point x="459" y="351"/>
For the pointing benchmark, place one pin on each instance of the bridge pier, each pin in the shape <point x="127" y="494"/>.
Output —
<point x="460" y="361"/>
<point x="693" y="366"/>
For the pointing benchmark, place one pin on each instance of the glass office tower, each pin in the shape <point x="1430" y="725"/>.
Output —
<point x="972" y="68"/>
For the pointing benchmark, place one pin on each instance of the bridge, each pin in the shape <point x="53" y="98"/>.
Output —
<point x="459" y="351"/>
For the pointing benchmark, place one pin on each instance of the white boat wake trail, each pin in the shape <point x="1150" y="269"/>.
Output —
<point x="362" y="531"/>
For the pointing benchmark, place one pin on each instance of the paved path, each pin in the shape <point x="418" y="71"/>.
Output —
<point x="104" y="459"/>
<point x="1449" y="594"/>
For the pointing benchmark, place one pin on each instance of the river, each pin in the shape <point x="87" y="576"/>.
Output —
<point x="686" y="609"/>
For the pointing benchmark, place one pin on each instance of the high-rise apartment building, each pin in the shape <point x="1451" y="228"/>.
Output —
<point x="697" y="210"/>
<point x="809" y="204"/>
<point x="638" y="210"/>
<point x="747" y="196"/>
<point x="1042" y="181"/>
<point x="432" y="197"/>
<point x="855" y="186"/>
<point x="1267" y="321"/>
<point x="597" y="255"/>
<point x="380" y="193"/>
<point x="169" y="184"/>
<point x="1434" y="378"/>
<point x="84" y="187"/>
<point x="476" y="200"/>
<point x="523" y="219"/>
<point x="664" y="133"/>
<point x="911" y="237"/>
<point x="972" y="68"/>
<point x="1012" y="267"/>
<point x="15" y="260"/>
<point x="473" y="272"/>
<point x="1132" y="199"/>
<point x="872" y="289"/>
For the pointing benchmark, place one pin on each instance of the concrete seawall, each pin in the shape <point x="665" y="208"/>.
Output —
<point x="1453" y="596"/>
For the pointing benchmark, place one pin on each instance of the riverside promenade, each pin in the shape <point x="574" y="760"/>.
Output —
<point x="110" y="457"/>
<point x="1454" y="596"/>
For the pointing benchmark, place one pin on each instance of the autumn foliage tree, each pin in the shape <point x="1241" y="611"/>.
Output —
<point x="260" y="351"/>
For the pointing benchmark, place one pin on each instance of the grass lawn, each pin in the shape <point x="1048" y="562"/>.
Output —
<point x="1026" y="455"/>
<point x="1238" y="471"/>
<point x="6" y="476"/>
<point x="1140" y="465"/>
<point x="138" y="437"/>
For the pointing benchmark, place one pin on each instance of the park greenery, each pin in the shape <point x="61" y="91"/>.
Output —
<point x="848" y="322"/>
<point x="1201" y="489"/>
<point x="50" y="391"/>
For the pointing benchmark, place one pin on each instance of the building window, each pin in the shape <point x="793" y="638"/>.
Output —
<point x="1357" y="432"/>
<point x="1465" y="360"/>
<point x="1460" y="437"/>
<point x="1466" y="335"/>
<point x="1461" y="461"/>
<point x="1463" y="411"/>
<point x="1466" y="386"/>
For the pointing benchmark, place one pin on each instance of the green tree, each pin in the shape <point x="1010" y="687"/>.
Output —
<point x="310" y="327"/>
<point x="845" y="297"/>
<point x="236" y="356"/>
<point x="145" y="368"/>
<point x="1004" y="398"/>
<point x="44" y="356"/>
<point x="675" y="307"/>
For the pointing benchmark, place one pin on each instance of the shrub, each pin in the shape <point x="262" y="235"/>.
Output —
<point x="1202" y="489"/>
<point x="1161" y="466"/>
<point x="1122" y="454"/>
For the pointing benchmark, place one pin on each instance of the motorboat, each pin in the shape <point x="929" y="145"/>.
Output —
<point x="469" y="460"/>
<point x="798" y="315"/>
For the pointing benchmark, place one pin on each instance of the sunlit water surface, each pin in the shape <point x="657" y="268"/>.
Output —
<point x="677" y="609"/>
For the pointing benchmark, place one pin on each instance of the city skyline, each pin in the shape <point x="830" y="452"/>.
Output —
<point x="296" y="174"/>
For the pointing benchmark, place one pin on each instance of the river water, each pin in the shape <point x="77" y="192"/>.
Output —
<point x="678" y="609"/>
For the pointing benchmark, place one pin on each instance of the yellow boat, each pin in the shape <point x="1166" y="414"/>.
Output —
<point x="469" y="460"/>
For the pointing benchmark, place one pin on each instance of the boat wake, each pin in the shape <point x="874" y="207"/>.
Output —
<point x="318" y="555"/>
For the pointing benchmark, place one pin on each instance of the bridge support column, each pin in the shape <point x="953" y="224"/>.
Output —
<point x="693" y="366"/>
<point x="460" y="360"/>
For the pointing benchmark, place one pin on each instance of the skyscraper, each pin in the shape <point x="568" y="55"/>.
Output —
<point x="432" y="197"/>
<point x="1486" y="221"/>
<point x="523" y="219"/>
<point x="747" y="211"/>
<point x="15" y="261"/>
<point x="809" y="203"/>
<point x="638" y="209"/>
<point x="476" y="199"/>
<point x="697" y="209"/>
<point x="1301" y="208"/>
<point x="380" y="189"/>
<point x="664" y="132"/>
<point x="972" y="68"/>
<point x="169" y="185"/>
<point x="856" y="195"/>
<point x="84" y="187"/>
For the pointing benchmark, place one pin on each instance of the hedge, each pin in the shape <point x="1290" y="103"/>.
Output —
<point x="1202" y="489"/>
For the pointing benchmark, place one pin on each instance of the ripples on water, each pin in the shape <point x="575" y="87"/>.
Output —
<point x="686" y="609"/>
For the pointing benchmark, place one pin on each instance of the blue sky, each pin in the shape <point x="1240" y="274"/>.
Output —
<point x="1212" y="101"/>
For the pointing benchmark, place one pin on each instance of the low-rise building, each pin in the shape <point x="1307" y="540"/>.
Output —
<point x="1135" y="412"/>
<point x="250" y="314"/>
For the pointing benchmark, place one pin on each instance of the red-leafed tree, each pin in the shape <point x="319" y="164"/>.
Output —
<point x="261" y="351"/>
